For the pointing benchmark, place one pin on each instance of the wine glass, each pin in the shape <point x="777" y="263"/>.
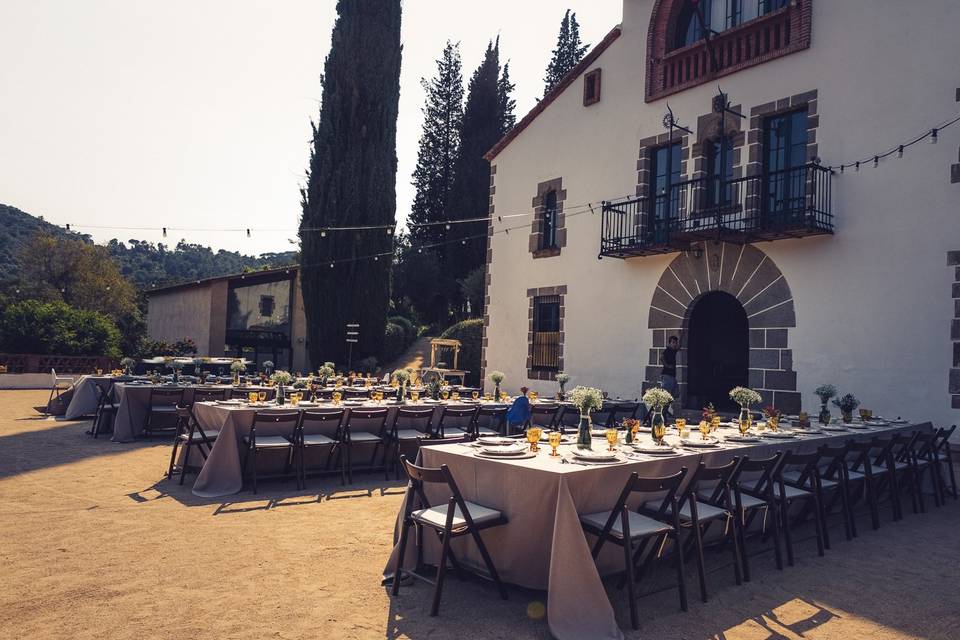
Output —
<point x="682" y="427"/>
<point x="294" y="399"/>
<point x="336" y="397"/>
<point x="379" y="396"/>
<point x="474" y="395"/>
<point x="714" y="423"/>
<point x="704" y="429"/>
<point x="455" y="396"/>
<point x="659" y="430"/>
<point x="532" y="396"/>
<point x="252" y="397"/>
<point x="635" y="429"/>
<point x="414" y="395"/>
<point x="612" y="437"/>
<point x="503" y="396"/>
<point x="261" y="396"/>
<point x="533" y="437"/>
<point x="555" y="437"/>
<point x="444" y="394"/>
<point x="744" y="426"/>
<point x="487" y="397"/>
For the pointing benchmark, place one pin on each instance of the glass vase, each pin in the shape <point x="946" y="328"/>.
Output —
<point x="745" y="420"/>
<point x="658" y="426"/>
<point x="281" y="395"/>
<point x="824" y="414"/>
<point x="401" y="392"/>
<point x="583" y="431"/>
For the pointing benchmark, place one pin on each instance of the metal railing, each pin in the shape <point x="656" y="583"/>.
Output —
<point x="777" y="204"/>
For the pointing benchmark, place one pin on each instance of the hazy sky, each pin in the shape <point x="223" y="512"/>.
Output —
<point x="128" y="113"/>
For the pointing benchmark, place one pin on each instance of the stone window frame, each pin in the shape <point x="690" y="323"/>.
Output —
<point x="484" y="340"/>
<point x="536" y="227"/>
<point x="591" y="79"/>
<point x="532" y="294"/>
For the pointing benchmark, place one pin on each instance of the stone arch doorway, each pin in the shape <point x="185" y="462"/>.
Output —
<point x="748" y="275"/>
<point x="718" y="350"/>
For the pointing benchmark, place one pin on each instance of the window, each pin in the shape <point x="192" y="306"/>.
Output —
<point x="689" y="27"/>
<point x="664" y="194"/>
<point x="769" y="6"/>
<point x="548" y="239"/>
<point x="785" y="157"/>
<point x="267" y="304"/>
<point x="546" y="333"/>
<point x="591" y="88"/>
<point x="719" y="172"/>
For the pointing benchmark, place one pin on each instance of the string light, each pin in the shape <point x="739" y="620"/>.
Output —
<point x="933" y="136"/>
<point x="900" y="151"/>
<point x="876" y="161"/>
<point x="164" y="232"/>
<point x="248" y="233"/>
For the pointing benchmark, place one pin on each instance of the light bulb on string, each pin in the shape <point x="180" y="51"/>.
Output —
<point x="164" y="232"/>
<point x="856" y="167"/>
<point x="900" y="151"/>
<point x="448" y="226"/>
<point x="841" y="168"/>
<point x="933" y="136"/>
<point x="323" y="234"/>
<point x="248" y="233"/>
<point x="876" y="161"/>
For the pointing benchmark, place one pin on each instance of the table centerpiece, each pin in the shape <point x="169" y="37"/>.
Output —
<point x="586" y="399"/>
<point x="656" y="399"/>
<point x="825" y="392"/>
<point x="745" y="397"/>
<point x="847" y="404"/>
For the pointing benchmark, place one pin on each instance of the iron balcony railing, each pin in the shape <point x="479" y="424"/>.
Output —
<point x="768" y="206"/>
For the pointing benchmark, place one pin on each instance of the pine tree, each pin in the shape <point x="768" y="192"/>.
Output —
<point x="568" y="52"/>
<point x="352" y="182"/>
<point x="439" y="146"/>
<point x="487" y="116"/>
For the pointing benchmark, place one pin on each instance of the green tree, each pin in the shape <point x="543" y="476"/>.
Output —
<point x="487" y="116"/>
<point x="352" y="182"/>
<point x="439" y="145"/>
<point x="33" y="326"/>
<point x="568" y="52"/>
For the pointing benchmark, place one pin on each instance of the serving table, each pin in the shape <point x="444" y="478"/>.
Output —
<point x="543" y="546"/>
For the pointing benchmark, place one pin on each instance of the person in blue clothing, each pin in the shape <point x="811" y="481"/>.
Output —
<point x="519" y="412"/>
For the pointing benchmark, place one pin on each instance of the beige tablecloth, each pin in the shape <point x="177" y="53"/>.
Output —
<point x="133" y="401"/>
<point x="543" y="545"/>
<point x="221" y="474"/>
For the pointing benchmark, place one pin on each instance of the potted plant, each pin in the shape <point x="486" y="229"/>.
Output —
<point x="496" y="377"/>
<point x="656" y="399"/>
<point x="586" y="399"/>
<point x="773" y="417"/>
<point x="562" y="379"/>
<point x="402" y="376"/>
<point x="745" y="397"/>
<point x="128" y="364"/>
<point x="825" y="391"/>
<point x="281" y="379"/>
<point x="847" y="404"/>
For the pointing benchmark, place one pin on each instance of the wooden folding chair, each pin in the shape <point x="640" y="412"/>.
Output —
<point x="189" y="434"/>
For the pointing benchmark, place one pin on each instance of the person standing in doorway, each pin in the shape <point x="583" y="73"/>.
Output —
<point x="668" y="375"/>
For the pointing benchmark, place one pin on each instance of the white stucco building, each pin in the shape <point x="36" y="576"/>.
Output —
<point x="744" y="238"/>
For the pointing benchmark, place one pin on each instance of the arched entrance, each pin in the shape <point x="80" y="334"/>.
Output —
<point x="694" y="300"/>
<point x="718" y="350"/>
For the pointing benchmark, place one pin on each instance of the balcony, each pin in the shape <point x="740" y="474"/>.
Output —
<point x="773" y="205"/>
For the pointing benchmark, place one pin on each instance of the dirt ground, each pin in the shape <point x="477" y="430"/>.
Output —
<point x="95" y="543"/>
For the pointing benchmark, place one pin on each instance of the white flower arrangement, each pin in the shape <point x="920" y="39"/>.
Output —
<point x="496" y="377"/>
<point x="237" y="366"/>
<point x="744" y="396"/>
<point x="562" y="378"/>
<point x="281" y="378"/>
<point x="586" y="398"/>
<point x="268" y="366"/>
<point x="656" y="398"/>
<point x="825" y="391"/>
<point x="402" y="376"/>
<point x="326" y="371"/>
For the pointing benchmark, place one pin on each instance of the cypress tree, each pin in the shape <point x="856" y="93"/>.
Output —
<point x="487" y="116"/>
<point x="352" y="182"/>
<point x="439" y="146"/>
<point x="568" y="52"/>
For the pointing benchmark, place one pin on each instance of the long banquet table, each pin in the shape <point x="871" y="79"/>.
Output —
<point x="221" y="474"/>
<point x="543" y="546"/>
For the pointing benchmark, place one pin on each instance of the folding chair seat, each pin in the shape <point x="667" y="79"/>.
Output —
<point x="543" y="415"/>
<point x="58" y="384"/>
<point x="208" y="395"/>
<point x="457" y="518"/>
<point x="106" y="406"/>
<point x="366" y="428"/>
<point x="161" y="416"/>
<point x="272" y="431"/>
<point x="321" y="429"/>
<point x="835" y="484"/>
<point x="189" y="434"/>
<point x="451" y="416"/>
<point x="871" y="478"/>
<point x="410" y="426"/>
<point x="568" y="419"/>
<point x="633" y="531"/>
<point x="623" y="411"/>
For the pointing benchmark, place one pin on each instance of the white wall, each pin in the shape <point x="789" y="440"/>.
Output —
<point x="182" y="313"/>
<point x="873" y="302"/>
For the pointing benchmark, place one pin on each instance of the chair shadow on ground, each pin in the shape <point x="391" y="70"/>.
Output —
<point x="272" y="494"/>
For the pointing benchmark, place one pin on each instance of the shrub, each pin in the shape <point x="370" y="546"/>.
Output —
<point x="394" y="342"/>
<point x="409" y="331"/>
<point x="470" y="335"/>
<point x="57" y="328"/>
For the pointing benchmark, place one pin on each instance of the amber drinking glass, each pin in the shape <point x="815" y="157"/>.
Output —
<point x="444" y="394"/>
<point x="294" y="399"/>
<point x="658" y="431"/>
<point x="474" y="394"/>
<point x="714" y="423"/>
<point x="704" y="429"/>
<point x="612" y="437"/>
<point x="414" y="396"/>
<point x="252" y="397"/>
<point x="533" y="437"/>
<point x="555" y="437"/>
<point x="336" y="396"/>
<point x="262" y="396"/>
<point x="744" y="426"/>
<point x="455" y="396"/>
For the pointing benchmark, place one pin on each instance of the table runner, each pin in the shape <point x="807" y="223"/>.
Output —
<point x="543" y="545"/>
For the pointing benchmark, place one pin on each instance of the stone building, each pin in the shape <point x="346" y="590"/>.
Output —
<point x="736" y="229"/>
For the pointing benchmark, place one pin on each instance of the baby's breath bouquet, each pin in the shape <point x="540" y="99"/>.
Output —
<point x="237" y="366"/>
<point x="825" y="391"/>
<point x="281" y="378"/>
<point x="496" y="377"/>
<point x="128" y="364"/>
<point x="402" y="376"/>
<point x="744" y="396"/>
<point x="586" y="399"/>
<point x="562" y="379"/>
<point x="656" y="398"/>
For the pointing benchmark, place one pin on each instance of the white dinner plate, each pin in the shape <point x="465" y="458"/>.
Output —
<point x="778" y="435"/>
<point x="595" y="456"/>
<point x="504" y="451"/>
<point x="700" y="444"/>
<point x="653" y="450"/>
<point x="743" y="439"/>
<point x="495" y="441"/>
<point x="830" y="427"/>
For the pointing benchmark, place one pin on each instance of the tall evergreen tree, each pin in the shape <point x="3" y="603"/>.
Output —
<point x="487" y="116"/>
<point x="439" y="146"/>
<point x="352" y="182"/>
<point x="568" y="52"/>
